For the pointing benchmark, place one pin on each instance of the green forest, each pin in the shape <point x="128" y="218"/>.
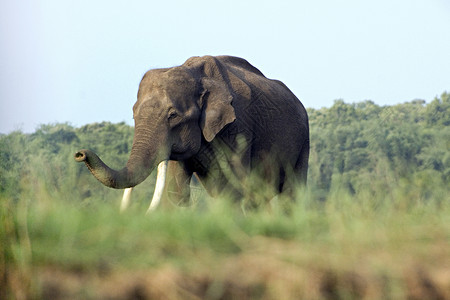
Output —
<point x="362" y="148"/>
<point x="378" y="183"/>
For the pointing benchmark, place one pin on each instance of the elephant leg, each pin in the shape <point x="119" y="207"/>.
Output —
<point x="294" y="177"/>
<point x="178" y="183"/>
<point x="301" y="167"/>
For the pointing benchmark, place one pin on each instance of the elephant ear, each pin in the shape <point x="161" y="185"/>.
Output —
<point x="217" y="110"/>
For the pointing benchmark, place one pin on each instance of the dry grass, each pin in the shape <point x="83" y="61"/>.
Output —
<point x="267" y="272"/>
<point x="343" y="248"/>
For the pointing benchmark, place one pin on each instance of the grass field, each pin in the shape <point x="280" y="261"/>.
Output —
<point x="344" y="247"/>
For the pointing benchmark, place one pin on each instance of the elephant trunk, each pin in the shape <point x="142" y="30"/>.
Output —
<point x="147" y="151"/>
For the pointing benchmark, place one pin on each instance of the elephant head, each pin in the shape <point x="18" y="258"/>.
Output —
<point x="176" y="110"/>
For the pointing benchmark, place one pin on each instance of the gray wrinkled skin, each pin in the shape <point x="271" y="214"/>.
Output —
<point x="220" y="118"/>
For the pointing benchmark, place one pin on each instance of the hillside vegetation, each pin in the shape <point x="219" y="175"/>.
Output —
<point x="373" y="223"/>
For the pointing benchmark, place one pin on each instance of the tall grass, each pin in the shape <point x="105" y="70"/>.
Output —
<point x="371" y="246"/>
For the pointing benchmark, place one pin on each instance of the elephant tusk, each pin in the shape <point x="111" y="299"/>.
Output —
<point x="125" y="199"/>
<point x="159" y="186"/>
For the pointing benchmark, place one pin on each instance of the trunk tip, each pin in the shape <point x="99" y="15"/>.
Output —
<point x="80" y="156"/>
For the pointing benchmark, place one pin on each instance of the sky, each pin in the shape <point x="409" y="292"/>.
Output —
<point x="81" y="61"/>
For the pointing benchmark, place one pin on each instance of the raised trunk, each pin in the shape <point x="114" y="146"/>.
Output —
<point x="147" y="151"/>
<point x="124" y="178"/>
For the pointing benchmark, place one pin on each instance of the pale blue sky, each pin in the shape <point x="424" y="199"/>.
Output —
<point x="81" y="61"/>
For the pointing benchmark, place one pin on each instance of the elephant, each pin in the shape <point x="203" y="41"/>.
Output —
<point x="218" y="118"/>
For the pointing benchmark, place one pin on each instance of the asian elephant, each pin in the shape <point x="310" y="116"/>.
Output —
<point x="218" y="117"/>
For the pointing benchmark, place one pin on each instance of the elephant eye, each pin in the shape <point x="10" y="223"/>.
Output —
<point x="172" y="114"/>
